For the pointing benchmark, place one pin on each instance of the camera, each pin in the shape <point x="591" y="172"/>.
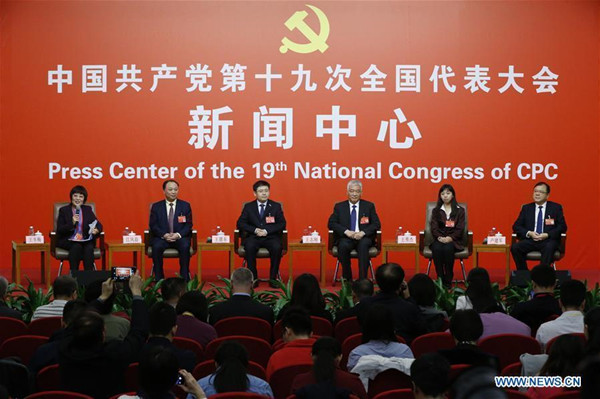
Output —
<point x="122" y="273"/>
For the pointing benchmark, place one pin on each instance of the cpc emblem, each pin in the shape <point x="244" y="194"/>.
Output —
<point x="315" y="41"/>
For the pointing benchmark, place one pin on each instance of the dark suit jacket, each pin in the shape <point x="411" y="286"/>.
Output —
<point x="159" y="219"/>
<point x="470" y="354"/>
<point x="408" y="321"/>
<point x="439" y="229"/>
<point x="537" y="310"/>
<point x="186" y="358"/>
<point x="64" y="224"/>
<point x="339" y="221"/>
<point x="526" y="220"/>
<point x="250" y="220"/>
<point x="6" y="311"/>
<point x="240" y="305"/>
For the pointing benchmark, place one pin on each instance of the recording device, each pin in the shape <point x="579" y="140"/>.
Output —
<point x="122" y="273"/>
<point x="179" y="380"/>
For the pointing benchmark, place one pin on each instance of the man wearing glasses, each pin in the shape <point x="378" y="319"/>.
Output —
<point x="538" y="228"/>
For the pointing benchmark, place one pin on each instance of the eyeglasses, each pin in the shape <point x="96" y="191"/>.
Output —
<point x="540" y="192"/>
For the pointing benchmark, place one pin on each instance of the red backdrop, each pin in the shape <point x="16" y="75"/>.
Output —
<point x="40" y="127"/>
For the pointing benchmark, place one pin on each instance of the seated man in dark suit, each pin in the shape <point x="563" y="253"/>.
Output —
<point x="241" y="302"/>
<point x="5" y="310"/>
<point x="362" y="288"/>
<point x="96" y="368"/>
<point x="466" y="327"/>
<point x="543" y="304"/>
<point x="407" y="316"/>
<point x="354" y="224"/>
<point x="263" y="223"/>
<point x="538" y="227"/>
<point x="163" y="326"/>
<point x="171" y="225"/>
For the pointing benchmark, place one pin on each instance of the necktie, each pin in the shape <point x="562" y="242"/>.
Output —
<point x="538" y="226"/>
<point x="171" y="217"/>
<point x="353" y="218"/>
<point x="262" y="211"/>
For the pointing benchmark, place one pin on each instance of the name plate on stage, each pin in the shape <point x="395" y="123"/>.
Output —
<point x="496" y="240"/>
<point x="35" y="239"/>
<point x="132" y="239"/>
<point x="220" y="239"/>
<point x="311" y="239"/>
<point x="407" y="239"/>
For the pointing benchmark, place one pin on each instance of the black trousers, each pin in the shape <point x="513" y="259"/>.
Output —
<point x="345" y="246"/>
<point x="520" y="249"/>
<point x="182" y="246"/>
<point x="443" y="259"/>
<point x="79" y="251"/>
<point x="273" y="244"/>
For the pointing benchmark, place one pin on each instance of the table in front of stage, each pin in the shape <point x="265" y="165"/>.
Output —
<point x="495" y="248"/>
<point x="298" y="246"/>
<point x="116" y="246"/>
<point x="19" y="247"/>
<point x="209" y="246"/>
<point x="393" y="246"/>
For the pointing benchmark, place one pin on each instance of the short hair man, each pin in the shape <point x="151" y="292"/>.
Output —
<point x="5" y="310"/>
<point x="64" y="289"/>
<point x="407" y="317"/>
<point x="543" y="304"/>
<point x="172" y="289"/>
<point x="262" y="222"/>
<point x="429" y="374"/>
<point x="422" y="292"/>
<point x="539" y="227"/>
<point x="362" y="288"/>
<point x="163" y="326"/>
<point x="354" y="223"/>
<point x="297" y="330"/>
<point x="241" y="302"/>
<point x="171" y="225"/>
<point x="572" y="302"/>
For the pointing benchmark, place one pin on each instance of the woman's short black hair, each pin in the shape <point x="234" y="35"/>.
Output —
<point x="378" y="325"/>
<point x="79" y="190"/>
<point x="194" y="302"/>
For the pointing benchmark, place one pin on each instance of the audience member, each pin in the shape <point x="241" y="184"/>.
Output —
<point x="231" y="375"/>
<point x="362" y="288"/>
<point x="64" y="289"/>
<point x="500" y="323"/>
<point x="378" y="337"/>
<point x="158" y="373"/>
<point x="115" y="327"/>
<point x="192" y="311"/>
<point x="326" y="378"/>
<point x="47" y="354"/>
<point x="590" y="377"/>
<point x="477" y="383"/>
<point x="592" y="331"/>
<point x="572" y="302"/>
<point x="93" y="367"/>
<point x="297" y="330"/>
<point x="429" y="374"/>
<point x="163" y="327"/>
<point x="543" y="304"/>
<point x="407" y="316"/>
<point x="479" y="294"/>
<point x="564" y="356"/>
<point x="5" y="310"/>
<point x="241" y="302"/>
<point x="466" y="328"/>
<point x="422" y="292"/>
<point x="172" y="289"/>
<point x="306" y="293"/>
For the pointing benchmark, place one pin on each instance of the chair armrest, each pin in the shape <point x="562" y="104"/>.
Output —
<point x="284" y="240"/>
<point x="147" y="238"/>
<point x="421" y="241"/>
<point x="195" y="240"/>
<point x="513" y="238"/>
<point x="330" y="241"/>
<point x="563" y="243"/>
<point x="102" y="251"/>
<point x="378" y="240"/>
<point x="236" y="240"/>
<point x="470" y="242"/>
<point x="53" y="239"/>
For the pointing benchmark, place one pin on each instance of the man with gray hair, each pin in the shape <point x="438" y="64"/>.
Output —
<point x="5" y="310"/>
<point x="354" y="223"/>
<point x="241" y="302"/>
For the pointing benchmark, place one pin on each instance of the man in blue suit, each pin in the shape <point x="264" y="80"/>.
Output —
<point x="262" y="222"/>
<point x="171" y="225"/>
<point x="538" y="227"/>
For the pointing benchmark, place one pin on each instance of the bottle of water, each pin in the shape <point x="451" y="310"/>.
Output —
<point x="399" y="232"/>
<point x="30" y="231"/>
<point x="126" y="231"/>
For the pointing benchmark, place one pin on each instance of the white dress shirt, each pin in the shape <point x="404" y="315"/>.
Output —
<point x="567" y="323"/>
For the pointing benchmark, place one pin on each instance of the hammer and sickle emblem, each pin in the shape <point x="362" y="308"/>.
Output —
<point x="316" y="41"/>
